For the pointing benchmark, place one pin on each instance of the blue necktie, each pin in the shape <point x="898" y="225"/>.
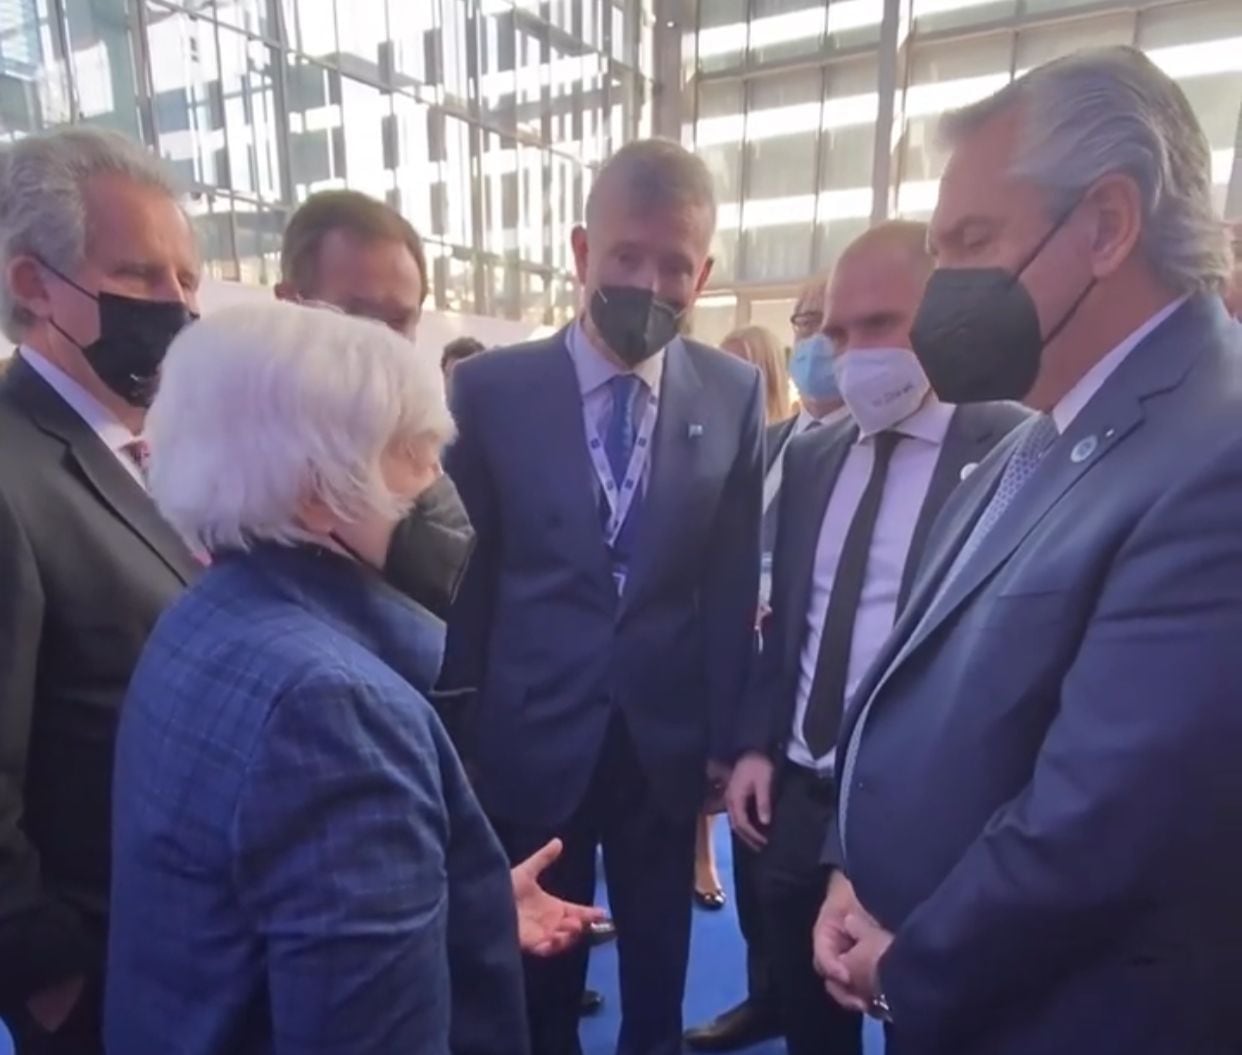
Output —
<point x="1041" y="433"/>
<point x="619" y="440"/>
<point x="618" y="447"/>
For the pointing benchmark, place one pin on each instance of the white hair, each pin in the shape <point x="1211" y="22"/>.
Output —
<point x="1112" y="110"/>
<point x="264" y="406"/>
<point x="43" y="184"/>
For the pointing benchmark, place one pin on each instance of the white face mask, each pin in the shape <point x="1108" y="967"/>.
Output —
<point x="881" y="386"/>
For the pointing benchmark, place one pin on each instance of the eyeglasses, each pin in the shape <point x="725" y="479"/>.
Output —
<point x="807" y="320"/>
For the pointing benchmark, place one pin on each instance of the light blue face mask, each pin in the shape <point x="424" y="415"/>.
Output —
<point x="811" y="368"/>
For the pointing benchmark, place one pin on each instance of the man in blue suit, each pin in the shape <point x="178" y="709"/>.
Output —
<point x="613" y="474"/>
<point x="1041" y="800"/>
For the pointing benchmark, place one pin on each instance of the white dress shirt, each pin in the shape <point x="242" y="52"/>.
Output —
<point x="772" y="481"/>
<point x="905" y="489"/>
<point x="1071" y="404"/>
<point x="115" y="435"/>
<point x="595" y="370"/>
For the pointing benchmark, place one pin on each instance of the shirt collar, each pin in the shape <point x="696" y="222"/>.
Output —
<point x="929" y="423"/>
<point x="1072" y="403"/>
<point x="106" y="425"/>
<point x="804" y="420"/>
<point x="594" y="369"/>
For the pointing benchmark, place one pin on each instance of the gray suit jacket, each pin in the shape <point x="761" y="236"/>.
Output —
<point x="812" y="464"/>
<point x="1045" y="803"/>
<point x="86" y="566"/>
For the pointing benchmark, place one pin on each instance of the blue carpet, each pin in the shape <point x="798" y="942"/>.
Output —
<point x="717" y="975"/>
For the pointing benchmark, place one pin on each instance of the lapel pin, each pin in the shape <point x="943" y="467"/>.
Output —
<point x="1083" y="449"/>
<point x="694" y="431"/>
<point x="967" y="470"/>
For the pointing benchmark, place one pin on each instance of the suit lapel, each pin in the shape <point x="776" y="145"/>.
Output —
<point x="1159" y="363"/>
<point x="777" y="437"/>
<point x="681" y="433"/>
<point x="967" y="442"/>
<point x="564" y="460"/>
<point x="823" y="465"/>
<point x="98" y="468"/>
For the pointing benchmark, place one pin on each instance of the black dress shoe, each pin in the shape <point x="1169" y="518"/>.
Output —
<point x="592" y="1002"/>
<point x="712" y="900"/>
<point x="601" y="933"/>
<point x="739" y="1027"/>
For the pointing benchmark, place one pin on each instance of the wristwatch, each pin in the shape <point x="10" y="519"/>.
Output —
<point x="880" y="1009"/>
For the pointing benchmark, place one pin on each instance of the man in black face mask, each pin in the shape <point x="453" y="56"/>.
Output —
<point x="614" y="476"/>
<point x="1040" y="795"/>
<point x="357" y="254"/>
<point x="100" y="271"/>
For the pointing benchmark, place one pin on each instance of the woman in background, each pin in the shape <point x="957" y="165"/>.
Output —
<point x="762" y="348"/>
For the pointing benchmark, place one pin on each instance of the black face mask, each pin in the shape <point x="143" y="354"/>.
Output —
<point x="134" y="336"/>
<point x="429" y="550"/>
<point x="977" y="331"/>
<point x="633" y="322"/>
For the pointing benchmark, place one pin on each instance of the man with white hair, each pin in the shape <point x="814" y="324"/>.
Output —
<point x="1040" y="798"/>
<point x="100" y="271"/>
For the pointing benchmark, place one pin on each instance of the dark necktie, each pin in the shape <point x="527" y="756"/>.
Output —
<point x="827" y="701"/>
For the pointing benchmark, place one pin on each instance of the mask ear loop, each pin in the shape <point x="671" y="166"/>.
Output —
<point x="1078" y="301"/>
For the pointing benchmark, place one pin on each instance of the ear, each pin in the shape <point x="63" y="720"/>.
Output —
<point x="578" y="242"/>
<point x="315" y="516"/>
<point x="1118" y="209"/>
<point x="26" y="283"/>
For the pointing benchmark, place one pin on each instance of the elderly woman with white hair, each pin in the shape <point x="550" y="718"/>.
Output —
<point x="299" y="862"/>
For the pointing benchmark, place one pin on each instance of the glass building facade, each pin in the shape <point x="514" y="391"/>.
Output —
<point x="818" y="118"/>
<point x="481" y="120"/>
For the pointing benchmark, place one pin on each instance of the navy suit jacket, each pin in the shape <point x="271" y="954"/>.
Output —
<point x="1046" y="806"/>
<point x="538" y="626"/>
<point x="299" y="862"/>
<point x="812" y="464"/>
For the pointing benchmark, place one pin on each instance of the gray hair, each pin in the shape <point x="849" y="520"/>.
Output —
<point x="43" y="182"/>
<point x="1112" y="110"/>
<point x="656" y="174"/>
<point x="262" y="406"/>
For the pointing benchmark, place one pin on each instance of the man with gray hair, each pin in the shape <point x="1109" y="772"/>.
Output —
<point x="1040" y="798"/>
<point x="100" y="271"/>
<point x="614" y="475"/>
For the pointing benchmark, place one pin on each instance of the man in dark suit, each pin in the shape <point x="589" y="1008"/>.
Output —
<point x="86" y="560"/>
<point x="857" y="505"/>
<point x="613" y="474"/>
<point x="1041" y="799"/>
<point x="755" y="1019"/>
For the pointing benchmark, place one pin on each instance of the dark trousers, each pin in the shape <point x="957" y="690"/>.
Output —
<point x="750" y="918"/>
<point x="792" y="886"/>
<point x="649" y="867"/>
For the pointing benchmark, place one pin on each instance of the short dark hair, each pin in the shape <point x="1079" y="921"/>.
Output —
<point x="342" y="210"/>
<point x="655" y="174"/>
<point x="460" y="348"/>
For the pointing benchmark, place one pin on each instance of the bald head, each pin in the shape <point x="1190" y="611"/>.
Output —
<point x="901" y="239"/>
<point x="876" y="287"/>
